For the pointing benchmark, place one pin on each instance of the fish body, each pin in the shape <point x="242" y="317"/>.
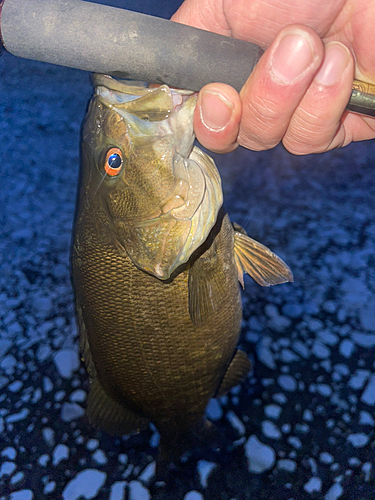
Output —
<point x="156" y="264"/>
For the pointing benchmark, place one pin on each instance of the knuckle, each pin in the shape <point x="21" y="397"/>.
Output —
<point x="262" y="108"/>
<point x="262" y="125"/>
<point x="250" y="141"/>
<point x="308" y="133"/>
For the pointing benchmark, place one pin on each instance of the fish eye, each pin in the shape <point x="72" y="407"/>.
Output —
<point x="113" y="162"/>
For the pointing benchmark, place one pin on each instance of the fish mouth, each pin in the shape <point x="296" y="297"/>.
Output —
<point x="122" y="92"/>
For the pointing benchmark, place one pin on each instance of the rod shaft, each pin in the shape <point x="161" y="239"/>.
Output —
<point x="362" y="99"/>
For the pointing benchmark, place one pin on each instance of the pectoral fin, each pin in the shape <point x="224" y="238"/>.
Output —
<point x="237" y="370"/>
<point x="205" y="291"/>
<point x="105" y="413"/>
<point x="255" y="259"/>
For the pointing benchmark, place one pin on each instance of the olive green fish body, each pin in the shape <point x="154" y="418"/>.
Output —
<point x="156" y="264"/>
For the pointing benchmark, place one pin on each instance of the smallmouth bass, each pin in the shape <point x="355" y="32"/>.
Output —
<point x="156" y="266"/>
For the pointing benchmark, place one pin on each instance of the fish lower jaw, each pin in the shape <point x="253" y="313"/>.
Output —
<point x="159" y="272"/>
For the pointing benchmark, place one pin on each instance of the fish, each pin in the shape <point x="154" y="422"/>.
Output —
<point x="157" y="266"/>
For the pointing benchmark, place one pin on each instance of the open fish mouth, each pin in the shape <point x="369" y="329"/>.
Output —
<point x="117" y="92"/>
<point x="184" y="215"/>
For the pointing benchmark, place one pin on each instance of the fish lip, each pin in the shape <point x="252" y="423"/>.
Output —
<point x="133" y="88"/>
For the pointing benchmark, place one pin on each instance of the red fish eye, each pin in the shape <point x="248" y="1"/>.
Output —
<point x="113" y="162"/>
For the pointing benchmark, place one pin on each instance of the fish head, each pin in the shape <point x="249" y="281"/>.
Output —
<point x="161" y="195"/>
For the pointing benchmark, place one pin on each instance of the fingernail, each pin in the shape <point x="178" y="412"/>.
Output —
<point x="215" y="110"/>
<point x="336" y="59"/>
<point x="292" y="57"/>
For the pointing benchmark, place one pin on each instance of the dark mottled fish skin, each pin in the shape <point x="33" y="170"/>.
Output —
<point x="148" y="354"/>
<point x="150" y="357"/>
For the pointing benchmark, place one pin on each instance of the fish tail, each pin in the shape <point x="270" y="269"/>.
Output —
<point x="176" y="448"/>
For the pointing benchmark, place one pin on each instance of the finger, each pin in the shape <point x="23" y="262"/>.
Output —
<point x="217" y="117"/>
<point x="275" y="88"/>
<point x="358" y="128"/>
<point x="203" y="14"/>
<point x="316" y="125"/>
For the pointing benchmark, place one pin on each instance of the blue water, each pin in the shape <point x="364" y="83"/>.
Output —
<point x="160" y="8"/>
<point x="314" y="340"/>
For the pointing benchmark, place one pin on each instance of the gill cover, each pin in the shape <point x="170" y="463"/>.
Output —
<point x="175" y="187"/>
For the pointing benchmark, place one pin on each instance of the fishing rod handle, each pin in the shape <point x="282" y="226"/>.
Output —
<point x="123" y="43"/>
<point x="126" y="44"/>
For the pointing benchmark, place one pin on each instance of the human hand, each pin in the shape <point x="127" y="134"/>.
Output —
<point x="298" y="91"/>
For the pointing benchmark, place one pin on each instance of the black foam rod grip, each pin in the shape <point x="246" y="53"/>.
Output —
<point x="123" y="43"/>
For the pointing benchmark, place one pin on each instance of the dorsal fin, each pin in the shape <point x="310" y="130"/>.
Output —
<point x="84" y="344"/>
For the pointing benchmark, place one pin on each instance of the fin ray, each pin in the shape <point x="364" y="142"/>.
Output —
<point x="257" y="260"/>
<point x="105" y="413"/>
<point x="204" y="292"/>
<point x="237" y="370"/>
<point x="84" y="343"/>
